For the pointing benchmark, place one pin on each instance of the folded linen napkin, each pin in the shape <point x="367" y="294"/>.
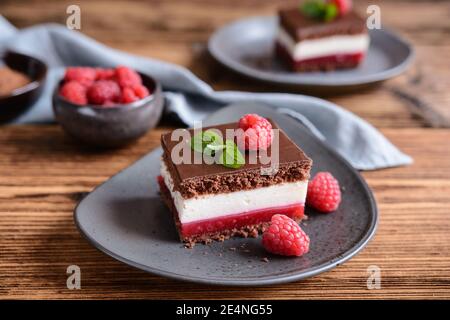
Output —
<point x="191" y="98"/>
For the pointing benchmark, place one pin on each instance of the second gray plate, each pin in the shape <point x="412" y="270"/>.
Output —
<point x="125" y="218"/>
<point x="246" y="46"/>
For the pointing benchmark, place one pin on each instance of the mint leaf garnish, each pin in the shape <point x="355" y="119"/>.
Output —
<point x="196" y="142"/>
<point x="331" y="12"/>
<point x="209" y="142"/>
<point x="206" y="139"/>
<point x="319" y="9"/>
<point x="231" y="156"/>
<point x="215" y="146"/>
<point x="313" y="9"/>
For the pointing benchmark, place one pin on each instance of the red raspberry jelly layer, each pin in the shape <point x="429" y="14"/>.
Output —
<point x="339" y="61"/>
<point x="236" y="220"/>
<point x="240" y="220"/>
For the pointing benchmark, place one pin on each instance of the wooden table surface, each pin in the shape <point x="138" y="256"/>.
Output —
<point x="43" y="172"/>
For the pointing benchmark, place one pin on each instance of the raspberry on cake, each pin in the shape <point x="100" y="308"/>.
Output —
<point x="257" y="132"/>
<point x="321" y="36"/>
<point x="216" y="202"/>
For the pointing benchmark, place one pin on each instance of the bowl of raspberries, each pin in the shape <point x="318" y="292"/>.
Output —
<point x="107" y="107"/>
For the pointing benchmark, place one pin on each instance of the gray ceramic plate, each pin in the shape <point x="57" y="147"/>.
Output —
<point x="246" y="46"/>
<point x="125" y="218"/>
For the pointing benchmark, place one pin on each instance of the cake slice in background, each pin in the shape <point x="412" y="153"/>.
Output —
<point x="321" y="35"/>
<point x="215" y="202"/>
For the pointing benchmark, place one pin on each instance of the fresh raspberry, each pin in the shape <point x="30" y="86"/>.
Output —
<point x="141" y="91"/>
<point x="103" y="91"/>
<point x="74" y="92"/>
<point x="285" y="237"/>
<point x="127" y="77"/>
<point x="105" y="74"/>
<point x="324" y="193"/>
<point x="257" y="132"/>
<point x="128" y="95"/>
<point x="343" y="6"/>
<point x="84" y="75"/>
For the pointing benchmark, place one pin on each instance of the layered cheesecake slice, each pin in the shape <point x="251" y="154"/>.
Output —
<point x="214" y="202"/>
<point x="309" y="44"/>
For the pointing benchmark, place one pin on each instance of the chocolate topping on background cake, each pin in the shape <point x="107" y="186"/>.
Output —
<point x="301" y="27"/>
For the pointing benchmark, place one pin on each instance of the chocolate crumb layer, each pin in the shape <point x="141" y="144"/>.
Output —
<point x="243" y="180"/>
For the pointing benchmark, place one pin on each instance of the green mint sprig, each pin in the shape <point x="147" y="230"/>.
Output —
<point x="209" y="142"/>
<point x="231" y="156"/>
<point x="319" y="9"/>
<point x="206" y="139"/>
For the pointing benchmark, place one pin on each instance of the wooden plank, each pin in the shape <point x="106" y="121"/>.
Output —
<point x="43" y="174"/>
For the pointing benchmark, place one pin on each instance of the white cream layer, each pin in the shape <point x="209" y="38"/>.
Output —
<point x="323" y="47"/>
<point x="217" y="205"/>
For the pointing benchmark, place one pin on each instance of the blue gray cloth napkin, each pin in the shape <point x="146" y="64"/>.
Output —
<point x="191" y="98"/>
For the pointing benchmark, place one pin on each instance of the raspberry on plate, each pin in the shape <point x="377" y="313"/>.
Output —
<point x="257" y="132"/>
<point x="285" y="237"/>
<point x="324" y="193"/>
<point x="74" y="92"/>
<point x="127" y="77"/>
<point x="103" y="91"/>
<point x="84" y="75"/>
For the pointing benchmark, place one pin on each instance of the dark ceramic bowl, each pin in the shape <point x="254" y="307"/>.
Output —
<point x="110" y="126"/>
<point x="21" y="99"/>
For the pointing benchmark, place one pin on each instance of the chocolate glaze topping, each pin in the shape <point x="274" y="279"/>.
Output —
<point x="301" y="27"/>
<point x="195" y="179"/>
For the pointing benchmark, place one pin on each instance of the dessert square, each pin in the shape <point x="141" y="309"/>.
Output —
<point x="308" y="44"/>
<point x="214" y="202"/>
